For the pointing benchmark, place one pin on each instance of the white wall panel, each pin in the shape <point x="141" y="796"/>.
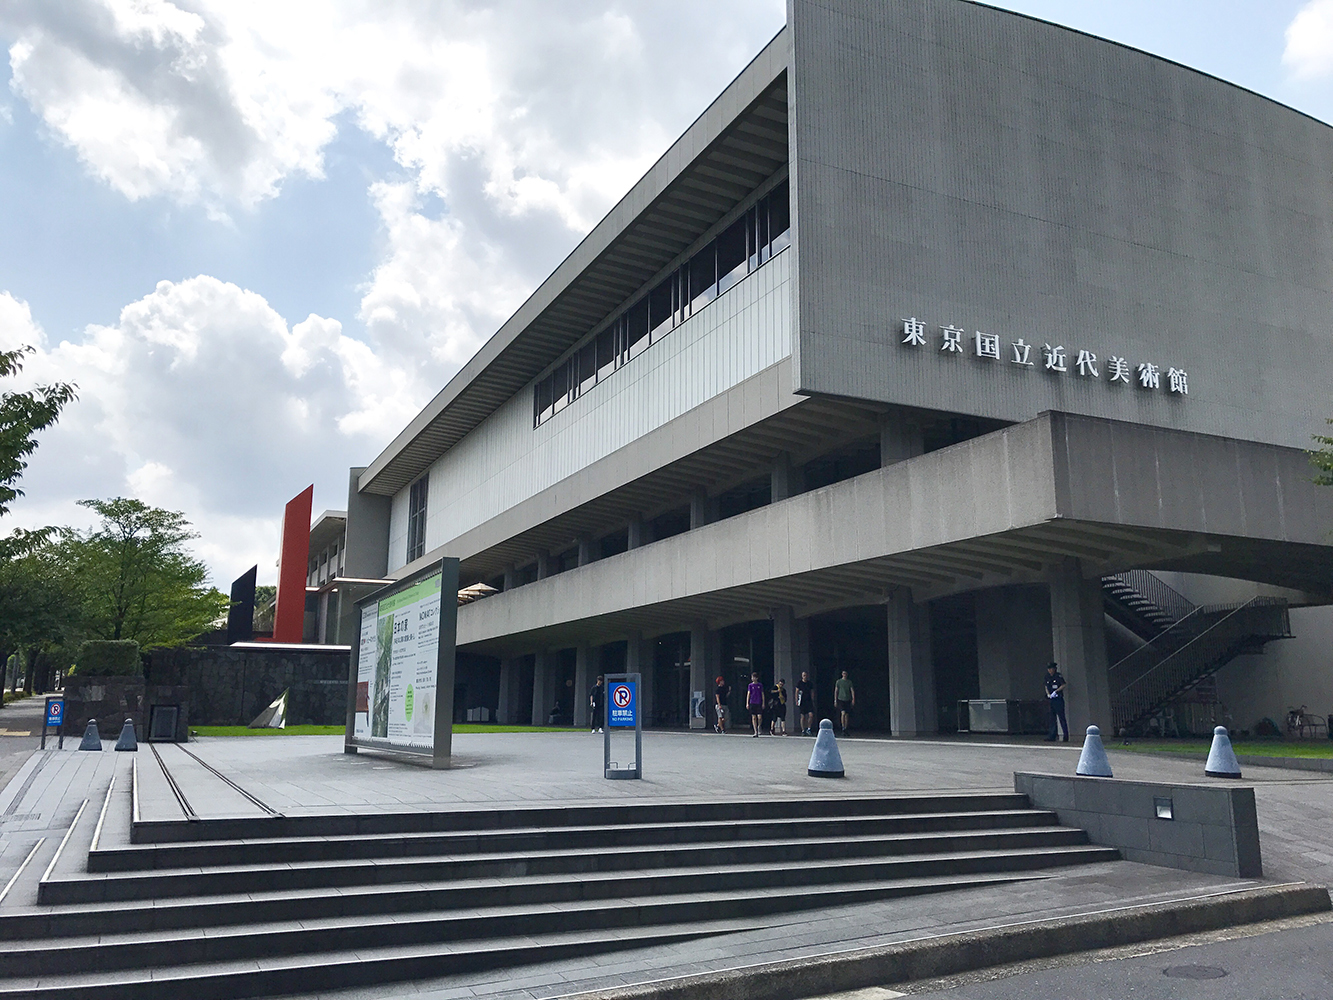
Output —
<point x="505" y="460"/>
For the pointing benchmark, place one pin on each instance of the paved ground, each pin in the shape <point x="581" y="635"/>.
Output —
<point x="312" y="775"/>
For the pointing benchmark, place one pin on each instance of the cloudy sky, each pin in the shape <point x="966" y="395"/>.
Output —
<point x="260" y="235"/>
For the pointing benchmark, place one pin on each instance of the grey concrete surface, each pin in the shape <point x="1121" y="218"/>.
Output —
<point x="1287" y="964"/>
<point x="1212" y="828"/>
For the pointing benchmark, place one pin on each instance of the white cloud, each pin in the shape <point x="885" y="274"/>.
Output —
<point x="1309" y="50"/>
<point x="201" y="398"/>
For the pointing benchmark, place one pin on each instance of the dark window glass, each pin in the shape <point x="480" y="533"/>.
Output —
<point x="661" y="308"/>
<point x="606" y="351"/>
<point x="761" y="230"/>
<point x="779" y="217"/>
<point x="636" y="328"/>
<point x="731" y="263"/>
<point x="560" y="387"/>
<point x="416" y="519"/>
<point x="542" y="401"/>
<point x="752" y="237"/>
<point x="703" y="277"/>
<point x="613" y="544"/>
<point x="587" y="367"/>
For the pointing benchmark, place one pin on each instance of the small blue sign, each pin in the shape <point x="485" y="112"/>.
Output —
<point x="623" y="704"/>
<point x="55" y="712"/>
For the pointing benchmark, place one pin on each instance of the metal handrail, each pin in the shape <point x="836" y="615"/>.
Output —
<point x="1192" y="660"/>
<point x="1158" y="592"/>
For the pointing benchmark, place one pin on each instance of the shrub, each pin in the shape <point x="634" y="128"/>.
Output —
<point x="108" y="658"/>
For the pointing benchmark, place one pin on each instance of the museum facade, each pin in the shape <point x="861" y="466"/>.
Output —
<point x="945" y="343"/>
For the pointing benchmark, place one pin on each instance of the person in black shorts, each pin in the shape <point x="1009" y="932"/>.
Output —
<point x="721" y="693"/>
<point x="597" y="702"/>
<point x="777" y="709"/>
<point x="844" y="699"/>
<point x="805" y="704"/>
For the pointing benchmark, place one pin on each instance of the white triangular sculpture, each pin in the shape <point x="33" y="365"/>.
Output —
<point x="825" y="759"/>
<point x="273" y="717"/>
<point x="1222" y="762"/>
<point x="1093" y="762"/>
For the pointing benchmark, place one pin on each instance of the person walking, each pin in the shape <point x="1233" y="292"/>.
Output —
<point x="805" y="704"/>
<point x="1055" y="694"/>
<point x="777" y="709"/>
<point x="844" y="700"/>
<point x="597" y="702"/>
<point x="754" y="704"/>
<point x="721" y="693"/>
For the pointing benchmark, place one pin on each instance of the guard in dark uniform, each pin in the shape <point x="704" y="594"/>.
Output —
<point x="1055" y="694"/>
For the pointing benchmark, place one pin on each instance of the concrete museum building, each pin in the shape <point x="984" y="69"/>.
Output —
<point x="944" y="343"/>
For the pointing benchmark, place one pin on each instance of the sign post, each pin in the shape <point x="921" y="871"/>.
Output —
<point x="55" y="716"/>
<point x="622" y="712"/>
<point x="401" y="688"/>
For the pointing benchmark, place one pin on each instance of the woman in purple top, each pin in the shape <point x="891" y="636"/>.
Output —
<point x="754" y="703"/>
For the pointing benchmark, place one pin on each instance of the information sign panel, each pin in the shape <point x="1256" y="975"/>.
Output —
<point x="402" y="698"/>
<point x="623" y="706"/>
<point x="55" y="712"/>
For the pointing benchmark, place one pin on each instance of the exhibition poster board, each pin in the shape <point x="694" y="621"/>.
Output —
<point x="401" y="689"/>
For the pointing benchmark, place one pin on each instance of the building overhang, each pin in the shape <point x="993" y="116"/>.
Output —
<point x="729" y="151"/>
<point x="1005" y="508"/>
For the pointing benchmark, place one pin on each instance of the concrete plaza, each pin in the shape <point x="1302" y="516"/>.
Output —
<point x="312" y="776"/>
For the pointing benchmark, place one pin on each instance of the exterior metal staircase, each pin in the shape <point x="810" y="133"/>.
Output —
<point x="1183" y="644"/>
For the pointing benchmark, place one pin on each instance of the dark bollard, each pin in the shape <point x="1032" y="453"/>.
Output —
<point x="91" y="741"/>
<point x="127" y="740"/>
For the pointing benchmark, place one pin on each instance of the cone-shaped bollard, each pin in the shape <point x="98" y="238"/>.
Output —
<point x="1092" y="762"/>
<point x="1222" y="762"/>
<point x="127" y="740"/>
<point x="825" y="760"/>
<point x="91" y="741"/>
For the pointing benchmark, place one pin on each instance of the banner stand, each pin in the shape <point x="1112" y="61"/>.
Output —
<point x="623" y="692"/>
<point x="400" y="690"/>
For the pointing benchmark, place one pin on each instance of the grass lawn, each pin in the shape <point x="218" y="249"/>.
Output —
<point x="1250" y="748"/>
<point x="459" y="727"/>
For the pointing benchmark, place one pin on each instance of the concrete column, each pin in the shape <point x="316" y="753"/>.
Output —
<point x="704" y="653"/>
<point x="639" y="659"/>
<point x="1013" y="641"/>
<point x="543" y="686"/>
<point x="791" y="654"/>
<point x="787" y="480"/>
<point x="703" y="510"/>
<point x="543" y="565"/>
<point x="511" y="577"/>
<point x="585" y="551"/>
<point x="639" y="533"/>
<point x="900" y="438"/>
<point x="509" y="670"/>
<point x="1078" y="637"/>
<point x="912" y="710"/>
<point x="582" y="681"/>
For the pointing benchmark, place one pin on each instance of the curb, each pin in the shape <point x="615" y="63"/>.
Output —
<point x="929" y="958"/>
<point x="1323" y="765"/>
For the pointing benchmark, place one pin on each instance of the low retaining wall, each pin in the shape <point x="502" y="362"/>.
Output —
<point x="1212" y="828"/>
<point x="112" y="700"/>
<point x="229" y="687"/>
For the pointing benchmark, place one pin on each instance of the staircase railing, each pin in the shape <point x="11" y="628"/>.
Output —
<point x="1151" y="586"/>
<point x="1190" y="650"/>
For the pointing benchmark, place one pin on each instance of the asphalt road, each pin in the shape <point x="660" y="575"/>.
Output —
<point x="20" y="731"/>
<point x="1294" y="962"/>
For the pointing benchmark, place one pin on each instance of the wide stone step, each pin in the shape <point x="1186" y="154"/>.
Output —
<point x="554" y="817"/>
<point x="118" y="951"/>
<point x="343" y="848"/>
<point x="203" y="882"/>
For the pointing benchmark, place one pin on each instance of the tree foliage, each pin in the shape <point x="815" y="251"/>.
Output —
<point x="1322" y="459"/>
<point x="22" y="415"/>
<point x="136" y="579"/>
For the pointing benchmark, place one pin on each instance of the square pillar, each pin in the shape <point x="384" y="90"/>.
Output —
<point x="705" y="650"/>
<point x="543" y="686"/>
<point x="702" y="510"/>
<point x="900" y="438"/>
<point x="791" y="653"/>
<point x="510" y="672"/>
<point x="1013" y="641"/>
<point x="582" y="682"/>
<point x="786" y="480"/>
<point x="585" y="551"/>
<point x="638" y="534"/>
<point x="511" y="577"/>
<point x="1078" y="637"/>
<point x="912" y="710"/>
<point x="543" y="564"/>
<point x="639" y="659"/>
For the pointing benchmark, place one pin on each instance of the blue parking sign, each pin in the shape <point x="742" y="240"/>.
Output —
<point x="55" y="712"/>
<point x="622" y="704"/>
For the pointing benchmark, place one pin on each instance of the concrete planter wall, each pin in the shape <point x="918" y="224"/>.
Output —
<point x="229" y="687"/>
<point x="112" y="700"/>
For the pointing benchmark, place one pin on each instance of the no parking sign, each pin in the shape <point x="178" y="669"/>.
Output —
<point x="624" y="707"/>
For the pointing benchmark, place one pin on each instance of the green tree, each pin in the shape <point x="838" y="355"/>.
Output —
<point x="1322" y="459"/>
<point x="39" y="606"/>
<point x="136" y="578"/>
<point x="22" y="415"/>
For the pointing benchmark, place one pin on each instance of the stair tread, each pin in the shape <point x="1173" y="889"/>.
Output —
<point x="830" y="865"/>
<point x="555" y="831"/>
<point x="356" y="921"/>
<point x="480" y="857"/>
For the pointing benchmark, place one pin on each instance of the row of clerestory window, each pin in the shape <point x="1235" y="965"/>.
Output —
<point x="746" y="245"/>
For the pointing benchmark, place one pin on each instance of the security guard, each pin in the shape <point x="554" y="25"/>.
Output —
<point x="1055" y="694"/>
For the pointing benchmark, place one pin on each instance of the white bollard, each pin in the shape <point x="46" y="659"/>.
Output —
<point x="1093" y="762"/>
<point x="1222" y="762"/>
